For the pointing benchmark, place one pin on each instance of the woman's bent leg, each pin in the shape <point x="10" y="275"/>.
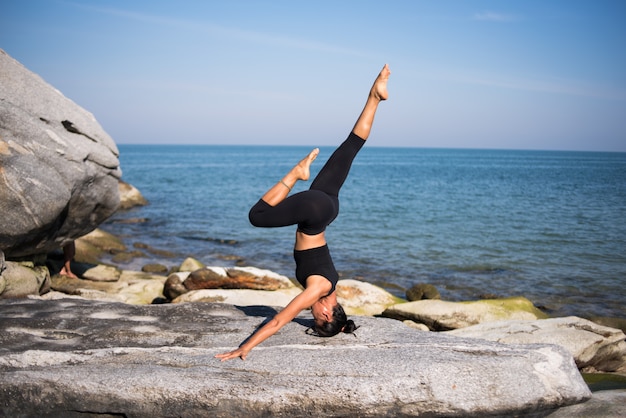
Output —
<point x="311" y="210"/>
<point x="281" y="189"/>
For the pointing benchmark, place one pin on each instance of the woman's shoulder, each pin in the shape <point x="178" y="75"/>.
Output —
<point x="319" y="283"/>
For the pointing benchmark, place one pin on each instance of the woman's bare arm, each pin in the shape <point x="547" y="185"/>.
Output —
<point x="304" y="300"/>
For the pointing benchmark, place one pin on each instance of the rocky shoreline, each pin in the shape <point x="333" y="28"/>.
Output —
<point x="596" y="348"/>
<point x="598" y="352"/>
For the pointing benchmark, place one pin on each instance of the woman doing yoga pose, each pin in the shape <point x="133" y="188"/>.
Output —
<point x="313" y="210"/>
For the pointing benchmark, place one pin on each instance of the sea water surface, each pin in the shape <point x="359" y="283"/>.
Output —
<point x="547" y="225"/>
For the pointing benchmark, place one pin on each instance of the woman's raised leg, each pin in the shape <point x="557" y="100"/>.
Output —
<point x="378" y="93"/>
<point x="332" y="176"/>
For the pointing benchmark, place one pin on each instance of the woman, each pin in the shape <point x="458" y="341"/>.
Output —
<point x="313" y="210"/>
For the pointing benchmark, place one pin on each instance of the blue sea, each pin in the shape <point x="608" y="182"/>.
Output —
<point x="547" y="225"/>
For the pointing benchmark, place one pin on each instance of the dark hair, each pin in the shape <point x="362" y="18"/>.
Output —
<point x="340" y="323"/>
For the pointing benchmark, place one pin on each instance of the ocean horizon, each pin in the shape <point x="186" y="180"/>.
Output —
<point x="475" y="223"/>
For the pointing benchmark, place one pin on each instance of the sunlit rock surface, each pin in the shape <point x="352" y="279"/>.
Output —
<point x="69" y="356"/>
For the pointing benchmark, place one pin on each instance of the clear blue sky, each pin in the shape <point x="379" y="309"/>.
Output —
<point x="533" y="74"/>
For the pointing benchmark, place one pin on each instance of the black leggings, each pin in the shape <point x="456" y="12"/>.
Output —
<point x="314" y="209"/>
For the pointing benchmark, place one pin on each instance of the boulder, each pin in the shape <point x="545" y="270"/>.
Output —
<point x="102" y="273"/>
<point x="441" y="315"/>
<point x="130" y="196"/>
<point x="59" y="170"/>
<point x="23" y="279"/>
<point x="222" y="278"/>
<point x="594" y="347"/>
<point x="361" y="298"/>
<point x="155" y="268"/>
<point x="104" y="241"/>
<point x="69" y="357"/>
<point x="191" y="264"/>
<point x="604" y="404"/>
<point x="174" y="287"/>
<point x="132" y="287"/>
<point x="241" y="297"/>
<point x="422" y="291"/>
<point x="235" y="278"/>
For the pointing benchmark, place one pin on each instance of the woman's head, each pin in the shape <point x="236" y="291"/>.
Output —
<point x="331" y="325"/>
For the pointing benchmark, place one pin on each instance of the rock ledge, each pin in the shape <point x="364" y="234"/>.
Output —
<point x="69" y="356"/>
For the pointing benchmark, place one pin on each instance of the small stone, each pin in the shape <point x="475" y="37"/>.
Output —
<point x="130" y="196"/>
<point x="191" y="264"/>
<point x="174" y="287"/>
<point x="422" y="291"/>
<point x="154" y="268"/>
<point x="415" y="325"/>
<point x="102" y="273"/>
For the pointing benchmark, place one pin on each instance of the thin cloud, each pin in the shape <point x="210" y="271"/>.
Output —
<point x="494" y="17"/>
<point x="553" y="85"/>
<point x="235" y="33"/>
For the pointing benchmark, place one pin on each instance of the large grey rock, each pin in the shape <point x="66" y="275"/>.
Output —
<point x="59" y="170"/>
<point x="67" y="357"/>
<point x="594" y="347"/>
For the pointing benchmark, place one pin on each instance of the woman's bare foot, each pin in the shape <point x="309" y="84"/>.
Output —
<point x="67" y="272"/>
<point x="378" y="93"/>
<point x="302" y="170"/>
<point x="379" y="89"/>
<point x="281" y="189"/>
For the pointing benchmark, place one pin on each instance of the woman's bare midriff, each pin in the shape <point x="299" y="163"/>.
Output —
<point x="306" y="242"/>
